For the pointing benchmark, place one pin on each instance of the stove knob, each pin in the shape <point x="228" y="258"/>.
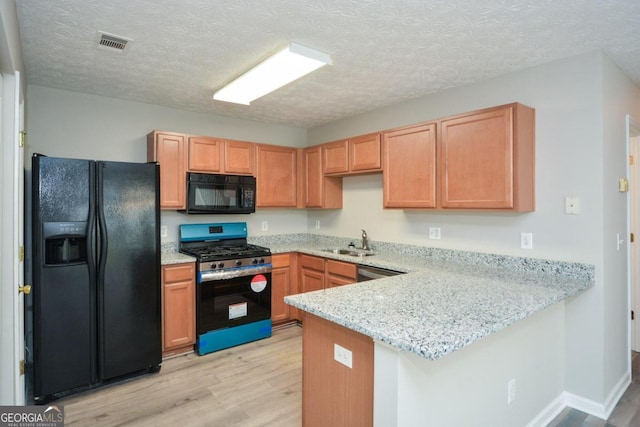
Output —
<point x="213" y="265"/>
<point x="261" y="260"/>
<point x="220" y="264"/>
<point x="238" y="263"/>
<point x="254" y="261"/>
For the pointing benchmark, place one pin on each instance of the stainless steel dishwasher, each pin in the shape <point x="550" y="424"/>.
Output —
<point x="366" y="272"/>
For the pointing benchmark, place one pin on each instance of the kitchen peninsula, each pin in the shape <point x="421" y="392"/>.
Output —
<point x="444" y="344"/>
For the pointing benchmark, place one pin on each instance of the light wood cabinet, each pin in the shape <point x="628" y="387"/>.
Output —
<point x="205" y="154"/>
<point x="340" y="273"/>
<point x="280" y="287"/>
<point x="276" y="176"/>
<point x="178" y="308"/>
<point x="168" y="149"/>
<point x="361" y="154"/>
<point x="320" y="191"/>
<point x="335" y="157"/>
<point x="239" y="157"/>
<point x="486" y="159"/>
<point x="312" y="276"/>
<point x="332" y="393"/>
<point x="216" y="155"/>
<point x="409" y="177"/>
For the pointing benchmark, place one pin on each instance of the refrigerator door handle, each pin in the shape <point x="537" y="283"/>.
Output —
<point x="103" y="242"/>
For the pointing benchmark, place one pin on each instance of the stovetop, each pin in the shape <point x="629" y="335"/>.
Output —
<point x="221" y="252"/>
<point x="222" y="243"/>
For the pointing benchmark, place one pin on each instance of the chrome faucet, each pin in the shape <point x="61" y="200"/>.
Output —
<point x="365" y="241"/>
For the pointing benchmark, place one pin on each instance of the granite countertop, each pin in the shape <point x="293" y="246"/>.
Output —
<point x="170" y="255"/>
<point x="447" y="300"/>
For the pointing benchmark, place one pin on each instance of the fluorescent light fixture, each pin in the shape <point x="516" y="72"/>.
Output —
<point x="287" y="65"/>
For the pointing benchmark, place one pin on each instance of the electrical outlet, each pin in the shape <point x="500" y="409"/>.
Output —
<point x="163" y="231"/>
<point x="265" y="225"/>
<point x="511" y="391"/>
<point x="317" y="224"/>
<point x="434" y="233"/>
<point x="572" y="205"/>
<point x="342" y="355"/>
<point x="526" y="240"/>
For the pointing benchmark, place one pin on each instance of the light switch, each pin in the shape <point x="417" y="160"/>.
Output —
<point x="572" y="205"/>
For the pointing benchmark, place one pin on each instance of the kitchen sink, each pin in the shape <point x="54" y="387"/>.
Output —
<point x="349" y="252"/>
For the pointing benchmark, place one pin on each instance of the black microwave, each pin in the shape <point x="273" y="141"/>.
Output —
<point x="220" y="194"/>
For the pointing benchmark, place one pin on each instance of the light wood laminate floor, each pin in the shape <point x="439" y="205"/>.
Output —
<point x="256" y="384"/>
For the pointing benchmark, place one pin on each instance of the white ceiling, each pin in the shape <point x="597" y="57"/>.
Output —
<point x="383" y="51"/>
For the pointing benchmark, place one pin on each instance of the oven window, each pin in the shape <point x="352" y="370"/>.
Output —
<point x="232" y="302"/>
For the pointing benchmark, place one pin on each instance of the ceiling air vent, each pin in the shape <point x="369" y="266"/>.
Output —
<point x="112" y="42"/>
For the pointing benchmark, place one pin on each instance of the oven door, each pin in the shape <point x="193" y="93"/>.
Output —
<point x="226" y="303"/>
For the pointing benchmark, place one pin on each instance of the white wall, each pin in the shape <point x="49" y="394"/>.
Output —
<point x="580" y="104"/>
<point x="566" y="97"/>
<point x="620" y="97"/>
<point x="68" y="124"/>
<point x="469" y="387"/>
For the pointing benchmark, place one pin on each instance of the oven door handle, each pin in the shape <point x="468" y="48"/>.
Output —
<point x="211" y="275"/>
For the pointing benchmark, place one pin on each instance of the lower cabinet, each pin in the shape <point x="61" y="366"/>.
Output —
<point x="334" y="394"/>
<point x="311" y="273"/>
<point x="178" y="308"/>
<point x="283" y="282"/>
<point x="340" y="273"/>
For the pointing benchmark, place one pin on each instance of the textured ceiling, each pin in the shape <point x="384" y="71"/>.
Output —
<point x="383" y="51"/>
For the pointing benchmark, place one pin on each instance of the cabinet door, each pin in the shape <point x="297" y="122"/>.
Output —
<point x="239" y="158"/>
<point x="365" y="153"/>
<point x="312" y="280"/>
<point x="479" y="166"/>
<point x="409" y="178"/>
<point x="178" y="306"/>
<point x="276" y="176"/>
<point x="205" y="154"/>
<point x="168" y="149"/>
<point x="336" y="157"/>
<point x="280" y="287"/>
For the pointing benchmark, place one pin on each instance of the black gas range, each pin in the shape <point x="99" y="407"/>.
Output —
<point x="233" y="286"/>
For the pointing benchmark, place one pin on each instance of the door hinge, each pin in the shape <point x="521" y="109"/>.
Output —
<point x="21" y="253"/>
<point x="633" y="315"/>
<point x="631" y="160"/>
<point x="632" y="238"/>
<point x="23" y="138"/>
<point x="22" y="367"/>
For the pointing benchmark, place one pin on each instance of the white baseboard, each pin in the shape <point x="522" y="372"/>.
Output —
<point x="588" y="406"/>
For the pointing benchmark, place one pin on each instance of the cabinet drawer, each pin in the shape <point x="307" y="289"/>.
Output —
<point x="339" y="268"/>
<point x="178" y="273"/>
<point x="280" y="260"/>
<point x="312" y="262"/>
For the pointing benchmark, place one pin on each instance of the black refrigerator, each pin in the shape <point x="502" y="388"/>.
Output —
<point x="96" y="273"/>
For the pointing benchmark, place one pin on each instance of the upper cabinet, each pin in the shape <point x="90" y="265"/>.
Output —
<point x="487" y="159"/>
<point x="319" y="191"/>
<point x="276" y="176"/>
<point x="409" y="178"/>
<point x="215" y="155"/>
<point x="168" y="149"/>
<point x="361" y="154"/>
<point x="479" y="160"/>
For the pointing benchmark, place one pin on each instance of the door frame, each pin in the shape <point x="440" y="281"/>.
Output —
<point x="633" y="226"/>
